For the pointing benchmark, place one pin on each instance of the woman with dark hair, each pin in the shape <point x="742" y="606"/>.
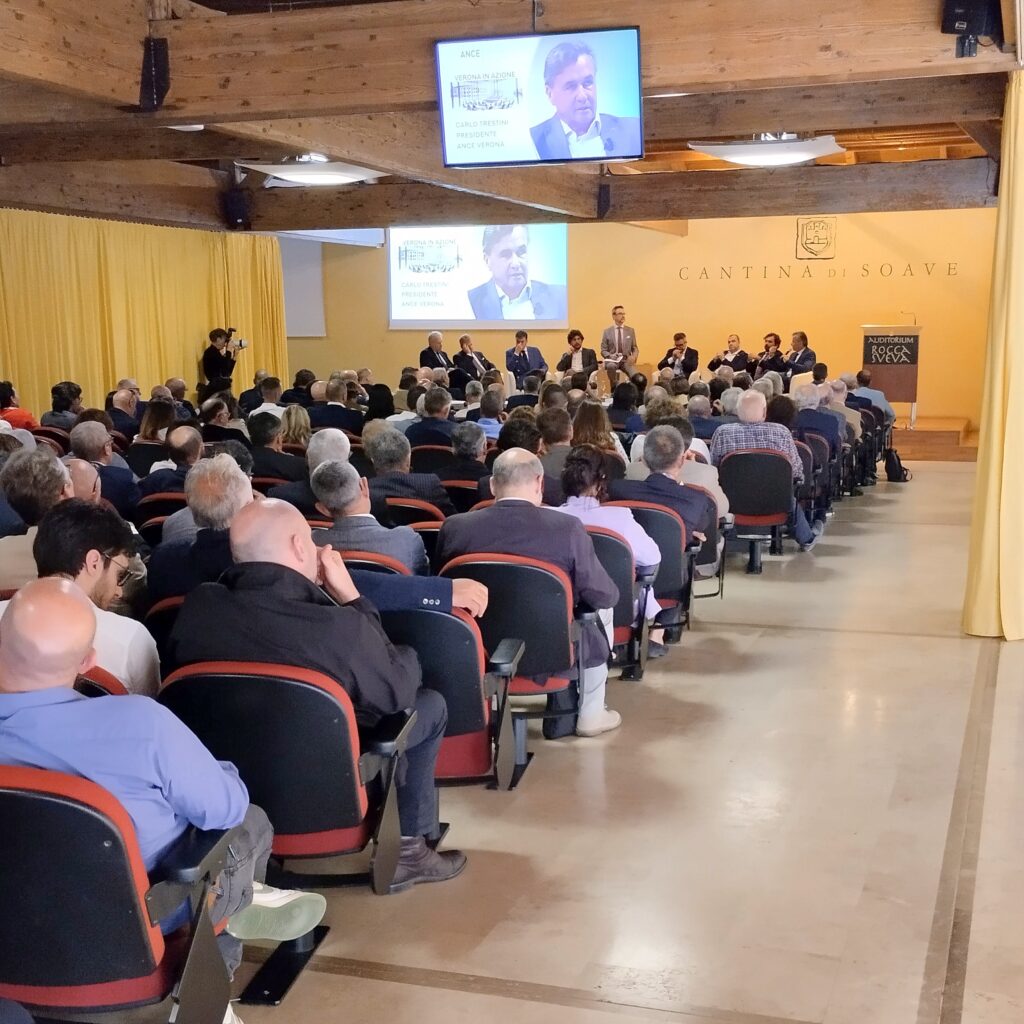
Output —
<point x="592" y="426"/>
<point x="585" y="486"/>
<point x="380" y="403"/>
<point x="625" y="399"/>
<point x="11" y="411"/>
<point x="781" y="410"/>
<point x="65" y="405"/>
<point x="147" y="448"/>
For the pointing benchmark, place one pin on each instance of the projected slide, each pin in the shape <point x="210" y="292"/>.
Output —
<point x="541" y="99"/>
<point x="496" y="276"/>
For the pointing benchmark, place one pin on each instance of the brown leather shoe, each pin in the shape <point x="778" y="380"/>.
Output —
<point x="419" y="863"/>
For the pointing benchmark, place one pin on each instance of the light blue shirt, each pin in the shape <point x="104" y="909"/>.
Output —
<point x="878" y="400"/>
<point x="492" y="428"/>
<point x="135" y="749"/>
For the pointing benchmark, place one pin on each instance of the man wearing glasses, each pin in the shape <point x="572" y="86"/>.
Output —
<point x="91" y="545"/>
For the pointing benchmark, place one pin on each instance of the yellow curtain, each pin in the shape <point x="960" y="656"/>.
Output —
<point x="994" y="603"/>
<point x="94" y="301"/>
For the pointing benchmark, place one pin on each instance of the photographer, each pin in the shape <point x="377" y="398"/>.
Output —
<point x="219" y="360"/>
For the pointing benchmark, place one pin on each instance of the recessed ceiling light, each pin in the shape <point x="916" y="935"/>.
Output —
<point x="782" y="150"/>
<point x="186" y="127"/>
<point x="315" y="169"/>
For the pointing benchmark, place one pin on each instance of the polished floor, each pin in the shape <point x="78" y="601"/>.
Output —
<point x="786" y="828"/>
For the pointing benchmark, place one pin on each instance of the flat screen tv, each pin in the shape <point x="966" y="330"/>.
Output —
<point x="541" y="99"/>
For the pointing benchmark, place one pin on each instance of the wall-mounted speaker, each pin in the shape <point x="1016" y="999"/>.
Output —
<point x="970" y="19"/>
<point x="236" y="206"/>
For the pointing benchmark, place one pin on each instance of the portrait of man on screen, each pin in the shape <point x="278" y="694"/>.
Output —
<point x="511" y="294"/>
<point x="578" y="130"/>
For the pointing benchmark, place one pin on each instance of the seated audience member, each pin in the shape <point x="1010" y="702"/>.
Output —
<point x="183" y="408"/>
<point x="523" y="412"/>
<point x="777" y="381"/>
<point x="726" y="373"/>
<point x="471" y="410"/>
<point x="146" y="758"/>
<point x="215" y="417"/>
<point x="522" y="432"/>
<point x="324" y="445"/>
<point x="665" y="451"/>
<point x="530" y="395"/>
<point x="833" y="401"/>
<point x="251" y="398"/>
<point x="158" y="418"/>
<point x="765" y="386"/>
<point x="698" y="471"/>
<point x="877" y="398"/>
<point x="435" y="427"/>
<point x="101" y="416"/>
<point x="32" y="482"/>
<point x="270" y="607"/>
<point x="90" y="441"/>
<point x="92" y="546"/>
<point x="380" y="403"/>
<point x="124" y="411"/>
<point x="344" y="497"/>
<point x="298" y="393"/>
<point x="716" y="388"/>
<point x="552" y="396"/>
<point x="729" y="403"/>
<point x="491" y="415"/>
<point x="391" y="453"/>
<point x="10" y="410"/>
<point x="265" y="432"/>
<point x="469" y="444"/>
<point x="808" y="420"/>
<point x="585" y="485"/>
<point x="185" y="449"/>
<point x="517" y="525"/>
<point x="10" y="522"/>
<point x="336" y="413"/>
<point x="555" y="428"/>
<point x="65" y="405"/>
<point x="699" y="413"/>
<point x="270" y="391"/>
<point x="85" y="480"/>
<point x="742" y="380"/>
<point x="753" y="432"/>
<point x="657" y="410"/>
<point x="402" y="420"/>
<point x="216" y="489"/>
<point x="653" y="394"/>
<point x="782" y="410"/>
<point x="575" y="397"/>
<point x="295" y="426"/>
<point x="592" y="426"/>
<point x="622" y="412"/>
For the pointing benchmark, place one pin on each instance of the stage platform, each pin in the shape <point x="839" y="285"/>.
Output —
<point x="935" y="439"/>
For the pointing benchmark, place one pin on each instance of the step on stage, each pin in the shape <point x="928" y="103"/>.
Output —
<point x="935" y="440"/>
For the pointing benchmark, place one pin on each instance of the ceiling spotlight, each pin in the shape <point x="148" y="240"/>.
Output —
<point x="314" y="169"/>
<point x="186" y="127"/>
<point x="781" y="149"/>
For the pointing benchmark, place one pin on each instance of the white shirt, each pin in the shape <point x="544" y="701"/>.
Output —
<point x="519" y="308"/>
<point x="589" y="144"/>
<point x="576" y="363"/>
<point x="273" y="407"/>
<point x="126" y="650"/>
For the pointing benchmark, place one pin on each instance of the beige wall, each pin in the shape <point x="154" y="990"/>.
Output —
<point x="725" y="276"/>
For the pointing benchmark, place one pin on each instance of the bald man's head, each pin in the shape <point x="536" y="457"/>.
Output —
<point x="185" y="445"/>
<point x="85" y="479"/>
<point x="274" y="531"/>
<point x="518" y="473"/>
<point x="33" y="654"/>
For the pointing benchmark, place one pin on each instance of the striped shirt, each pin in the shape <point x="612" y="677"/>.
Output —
<point x="734" y="437"/>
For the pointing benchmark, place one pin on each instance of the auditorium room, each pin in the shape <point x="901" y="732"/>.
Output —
<point x="510" y="511"/>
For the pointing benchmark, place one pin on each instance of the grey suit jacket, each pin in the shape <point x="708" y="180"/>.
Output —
<point x="620" y="135"/>
<point x="364" y="533"/>
<point x="609" y="344"/>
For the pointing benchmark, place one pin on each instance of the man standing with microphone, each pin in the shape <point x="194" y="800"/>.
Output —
<point x="618" y="346"/>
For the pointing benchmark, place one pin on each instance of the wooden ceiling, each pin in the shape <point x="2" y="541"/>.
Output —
<point x="356" y="81"/>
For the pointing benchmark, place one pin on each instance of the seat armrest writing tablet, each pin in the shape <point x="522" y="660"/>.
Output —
<point x="506" y="657"/>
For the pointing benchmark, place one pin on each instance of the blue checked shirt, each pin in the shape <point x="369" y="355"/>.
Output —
<point x="734" y="437"/>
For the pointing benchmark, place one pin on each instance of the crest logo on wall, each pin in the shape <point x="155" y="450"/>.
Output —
<point x="816" y="238"/>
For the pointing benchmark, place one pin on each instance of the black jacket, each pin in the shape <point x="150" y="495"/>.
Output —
<point x="691" y="360"/>
<point x="260" y="611"/>
<point x="424" y="486"/>
<point x="739" y="362"/>
<point x="464" y="361"/>
<point x="463" y="469"/>
<point x="589" y="361"/>
<point x="178" y="568"/>
<point x="695" y="508"/>
<point x="339" y="416"/>
<point x="267" y="462"/>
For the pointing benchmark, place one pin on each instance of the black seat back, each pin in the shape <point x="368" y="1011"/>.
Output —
<point x="616" y="556"/>
<point x="669" y="533"/>
<point x="759" y="485"/>
<point x="451" y="654"/>
<point x="142" y="454"/>
<point x="430" y="458"/>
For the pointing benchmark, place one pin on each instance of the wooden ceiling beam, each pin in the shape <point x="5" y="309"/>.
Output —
<point x="987" y="134"/>
<point x="789" y="191"/>
<point x="889" y="104"/>
<point x="927" y="185"/>
<point x="85" y="145"/>
<point x="171" y="194"/>
<point x="409" y="146"/>
<point x="86" y="49"/>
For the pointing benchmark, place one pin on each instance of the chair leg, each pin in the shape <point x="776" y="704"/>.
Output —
<point x="387" y="840"/>
<point x="754" y="566"/>
<point x="776" y="543"/>
<point x="278" y="973"/>
<point x="506" y="754"/>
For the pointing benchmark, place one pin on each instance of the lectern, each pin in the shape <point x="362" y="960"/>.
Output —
<point x="890" y="353"/>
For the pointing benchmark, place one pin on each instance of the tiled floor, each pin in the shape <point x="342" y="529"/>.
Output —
<point x="774" y="835"/>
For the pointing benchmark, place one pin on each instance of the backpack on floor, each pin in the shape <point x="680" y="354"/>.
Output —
<point x="894" y="471"/>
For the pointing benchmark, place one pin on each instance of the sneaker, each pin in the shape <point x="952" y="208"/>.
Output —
<point x="418" y="863"/>
<point x="603" y="721"/>
<point x="810" y="544"/>
<point x="656" y="650"/>
<point x="817" y="527"/>
<point x="277" y="914"/>
<point x="230" y="1017"/>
